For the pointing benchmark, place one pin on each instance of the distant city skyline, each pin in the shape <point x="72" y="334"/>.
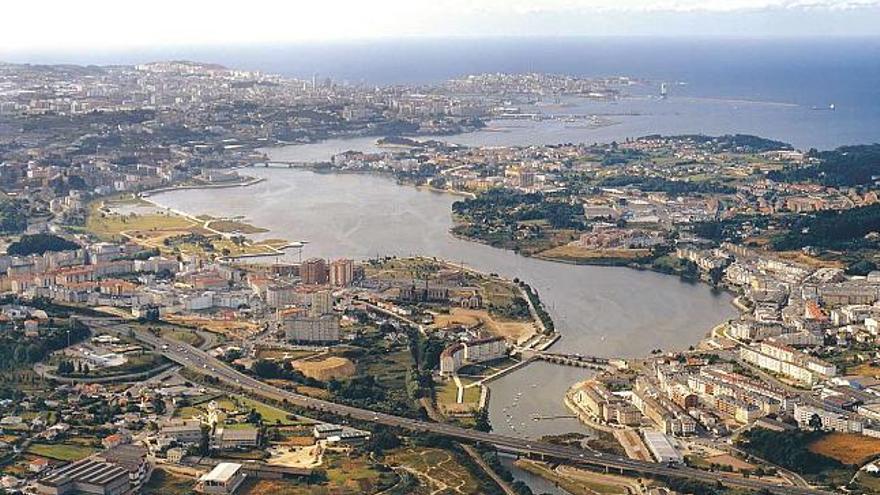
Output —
<point x="103" y="25"/>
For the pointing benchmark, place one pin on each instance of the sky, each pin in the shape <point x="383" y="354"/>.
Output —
<point x="67" y="25"/>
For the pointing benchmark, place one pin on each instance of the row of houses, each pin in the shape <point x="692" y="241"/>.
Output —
<point x="189" y="432"/>
<point x="789" y="362"/>
<point x="460" y="354"/>
<point x="595" y="398"/>
<point x="669" y="417"/>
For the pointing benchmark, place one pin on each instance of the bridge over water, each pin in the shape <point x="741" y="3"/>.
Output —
<point x="577" y="360"/>
<point x="283" y="164"/>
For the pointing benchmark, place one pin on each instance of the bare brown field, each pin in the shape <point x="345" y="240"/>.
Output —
<point x="865" y="370"/>
<point x="847" y="448"/>
<point x="511" y="330"/>
<point x="325" y="369"/>
<point x="800" y="257"/>
<point x="318" y="393"/>
<point x="222" y="327"/>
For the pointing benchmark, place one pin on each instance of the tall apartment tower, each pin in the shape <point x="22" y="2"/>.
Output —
<point x="313" y="271"/>
<point x="341" y="272"/>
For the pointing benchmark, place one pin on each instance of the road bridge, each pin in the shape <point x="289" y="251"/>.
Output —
<point x="283" y="164"/>
<point x="578" y="360"/>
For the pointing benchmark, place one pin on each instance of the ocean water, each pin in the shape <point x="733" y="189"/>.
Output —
<point x="761" y="86"/>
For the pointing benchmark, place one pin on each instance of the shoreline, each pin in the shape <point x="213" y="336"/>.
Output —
<point x="149" y="192"/>
<point x="556" y="336"/>
<point x="271" y="251"/>
<point x="330" y="170"/>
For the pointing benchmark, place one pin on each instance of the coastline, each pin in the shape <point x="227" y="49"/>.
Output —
<point x="183" y="187"/>
<point x="605" y="262"/>
<point x="270" y="250"/>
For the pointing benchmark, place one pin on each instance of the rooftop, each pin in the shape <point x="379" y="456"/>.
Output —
<point x="222" y="472"/>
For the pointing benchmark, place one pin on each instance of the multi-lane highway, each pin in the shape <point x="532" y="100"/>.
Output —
<point x="197" y="359"/>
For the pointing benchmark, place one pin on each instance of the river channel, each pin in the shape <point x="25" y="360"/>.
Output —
<point x="607" y="311"/>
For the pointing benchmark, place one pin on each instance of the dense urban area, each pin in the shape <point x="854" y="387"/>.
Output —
<point x="147" y="350"/>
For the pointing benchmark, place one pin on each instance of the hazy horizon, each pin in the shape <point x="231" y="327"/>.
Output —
<point x="104" y="24"/>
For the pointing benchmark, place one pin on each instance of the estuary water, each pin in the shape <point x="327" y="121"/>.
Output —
<point x="607" y="311"/>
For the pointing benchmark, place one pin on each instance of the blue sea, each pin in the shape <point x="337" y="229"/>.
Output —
<point x="778" y="88"/>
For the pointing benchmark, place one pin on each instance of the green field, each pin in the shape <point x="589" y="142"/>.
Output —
<point x="61" y="451"/>
<point x="271" y="415"/>
<point x="388" y="368"/>
<point x="110" y="226"/>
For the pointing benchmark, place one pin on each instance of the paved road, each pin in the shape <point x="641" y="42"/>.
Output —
<point x="194" y="358"/>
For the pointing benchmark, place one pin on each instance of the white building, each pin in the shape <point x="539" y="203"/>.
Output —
<point x="224" y="479"/>
<point x="831" y="421"/>
<point x="477" y="351"/>
<point x="661" y="448"/>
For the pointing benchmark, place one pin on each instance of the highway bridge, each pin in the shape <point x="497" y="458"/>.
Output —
<point x="199" y="360"/>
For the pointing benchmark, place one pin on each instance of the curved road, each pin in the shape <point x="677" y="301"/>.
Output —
<point x="197" y="359"/>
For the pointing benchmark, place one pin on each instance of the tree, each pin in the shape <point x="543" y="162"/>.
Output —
<point x="862" y="267"/>
<point x="255" y="417"/>
<point x="158" y="405"/>
<point x="481" y="420"/>
<point x="13" y="216"/>
<point x="815" y="422"/>
<point x="39" y="244"/>
<point x="382" y="439"/>
<point x="690" y="271"/>
<point x="715" y="275"/>
<point x="205" y="440"/>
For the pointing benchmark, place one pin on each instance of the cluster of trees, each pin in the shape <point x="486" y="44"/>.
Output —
<point x="202" y="241"/>
<point x="502" y="206"/>
<point x="619" y="156"/>
<point x="66" y="367"/>
<point x="539" y="306"/>
<point x="560" y="215"/>
<point x="39" y="244"/>
<point x="728" y="229"/>
<point x="13" y="216"/>
<point x="358" y="388"/>
<point x="660" y="184"/>
<point x="16" y="351"/>
<point x="829" y="228"/>
<point x="62" y="185"/>
<point x="382" y="438"/>
<point x="861" y="268"/>
<point x="789" y="449"/>
<point x="844" y="166"/>
<point x="518" y="309"/>
<point x="742" y="143"/>
<point x="425" y="352"/>
<point x="694" y="487"/>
